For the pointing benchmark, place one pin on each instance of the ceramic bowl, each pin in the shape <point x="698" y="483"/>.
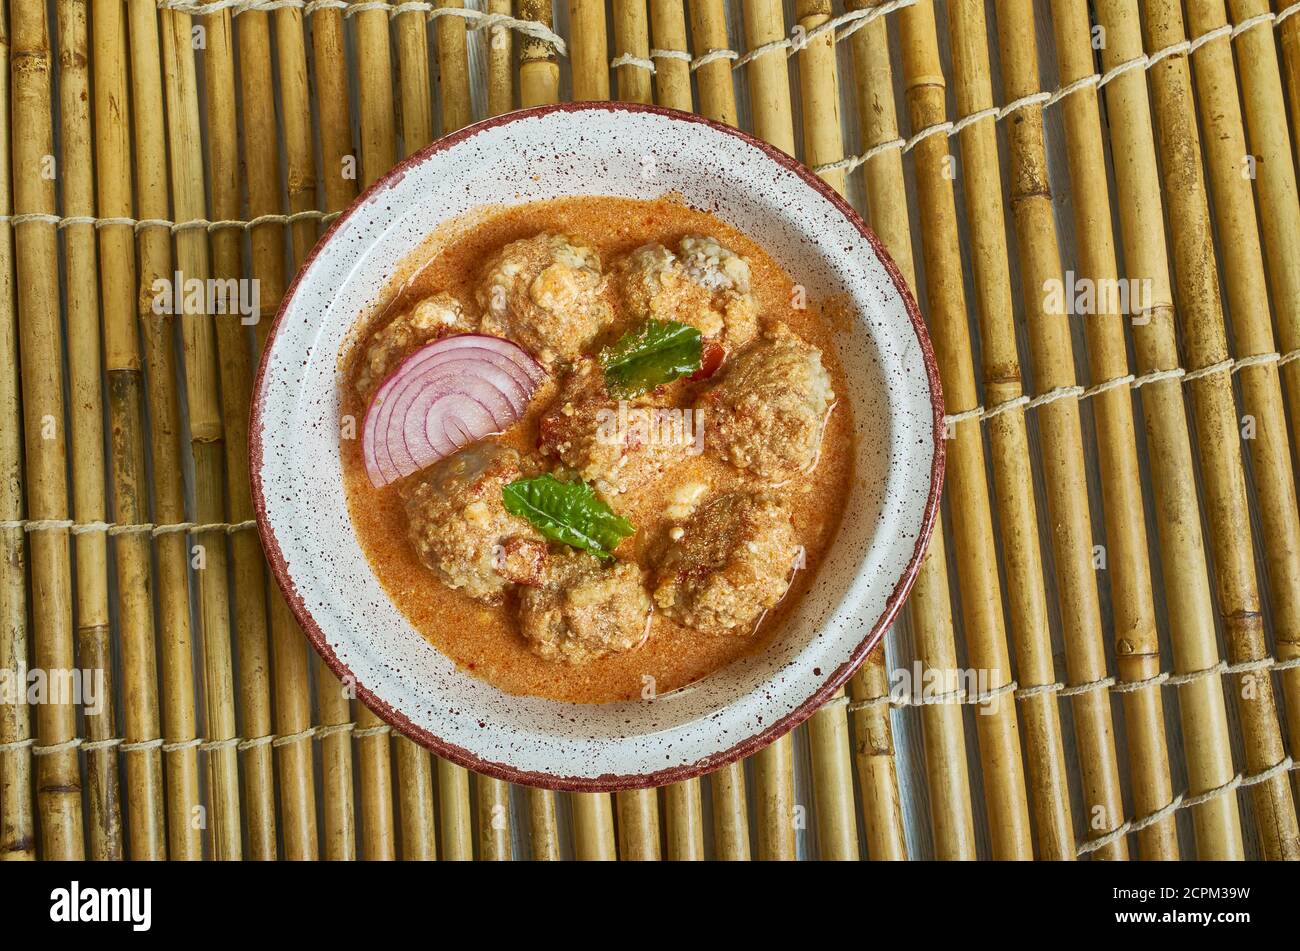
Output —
<point x="597" y="149"/>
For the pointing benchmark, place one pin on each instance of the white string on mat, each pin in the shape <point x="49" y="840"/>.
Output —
<point x="1093" y="81"/>
<point x="1184" y="801"/>
<point x="206" y="746"/>
<point x="1154" y="376"/>
<point x="799" y="38"/>
<point x="129" y="528"/>
<point x="854" y="20"/>
<point x="475" y="19"/>
<point x="891" y="700"/>
<point x="1181" y="801"/>
<point x="1165" y="678"/>
<point x="710" y="56"/>
<point x="851" y="22"/>
<point x="627" y="59"/>
<point x="141" y="224"/>
<point x="842" y="26"/>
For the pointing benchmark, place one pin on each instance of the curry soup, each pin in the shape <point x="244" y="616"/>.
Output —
<point x="485" y="639"/>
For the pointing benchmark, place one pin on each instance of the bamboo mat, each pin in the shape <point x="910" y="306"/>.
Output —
<point x="1108" y="625"/>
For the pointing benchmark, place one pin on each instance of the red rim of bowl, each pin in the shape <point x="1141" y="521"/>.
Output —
<point x="608" y="782"/>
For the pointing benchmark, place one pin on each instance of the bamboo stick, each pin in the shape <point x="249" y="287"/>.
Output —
<point x="672" y="74"/>
<point x="453" y="68"/>
<point x="769" y="77"/>
<point x="94" y="652"/>
<point x="374" y="75"/>
<point x="1279" y="215"/>
<point x="709" y="33"/>
<point x="832" y="767"/>
<point x="339" y="188"/>
<point x="1031" y="201"/>
<point x="187" y="815"/>
<point x="638" y="825"/>
<point x="250" y="607"/>
<point x="588" y="50"/>
<point x="945" y="745"/>
<point x="208" y="553"/>
<point x="453" y="797"/>
<point x="769" y="85"/>
<point x="296" y="118"/>
<point x="374" y="756"/>
<point x="874" y="755"/>
<point x="828" y="728"/>
<point x="494" y="843"/>
<point x="293" y="720"/>
<point x="1289" y="40"/>
<point x="543" y="829"/>
<point x="593" y="827"/>
<point x="1017" y="510"/>
<point x="776" y="811"/>
<point x="976" y="560"/>
<point x="501" y="74"/>
<point x="415" y="800"/>
<point x="1137" y="646"/>
<point x="145" y="800"/>
<point x="996" y="720"/>
<point x="294" y="765"/>
<point x="378" y="154"/>
<point x="1252" y="331"/>
<point x="1223" y="479"/>
<point x="1205" y="736"/>
<point x="58" y="776"/>
<point x="1067" y="489"/>
<point x="730" y="814"/>
<point x="539" y="69"/>
<point x="632" y="38"/>
<point x="685" y="822"/>
<point x="414" y="104"/>
<point x="17" y="828"/>
<point x="819" y="91"/>
<point x="338" y="816"/>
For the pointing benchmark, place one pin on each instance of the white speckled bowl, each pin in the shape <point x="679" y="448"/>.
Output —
<point x="597" y="149"/>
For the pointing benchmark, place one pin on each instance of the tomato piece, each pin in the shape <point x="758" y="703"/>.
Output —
<point x="711" y="356"/>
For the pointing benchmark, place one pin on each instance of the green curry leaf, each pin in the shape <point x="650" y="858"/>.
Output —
<point x="567" y="512"/>
<point x="654" y="353"/>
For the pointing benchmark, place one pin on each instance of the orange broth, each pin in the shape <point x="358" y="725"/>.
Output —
<point x="485" y="640"/>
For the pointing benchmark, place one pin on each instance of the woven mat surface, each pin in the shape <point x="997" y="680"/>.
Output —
<point x="1097" y="206"/>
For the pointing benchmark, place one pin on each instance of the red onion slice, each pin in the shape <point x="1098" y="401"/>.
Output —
<point x="443" y="397"/>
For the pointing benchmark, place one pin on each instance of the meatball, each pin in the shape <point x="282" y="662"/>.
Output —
<point x="730" y="562"/>
<point x="705" y="285"/>
<point x="461" y="530"/>
<point x="546" y="293"/>
<point x="617" y="445"/>
<point x="583" y="609"/>
<point x="767" y="412"/>
<point x="433" y="317"/>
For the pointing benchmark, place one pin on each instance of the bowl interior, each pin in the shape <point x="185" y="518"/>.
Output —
<point x="595" y="150"/>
